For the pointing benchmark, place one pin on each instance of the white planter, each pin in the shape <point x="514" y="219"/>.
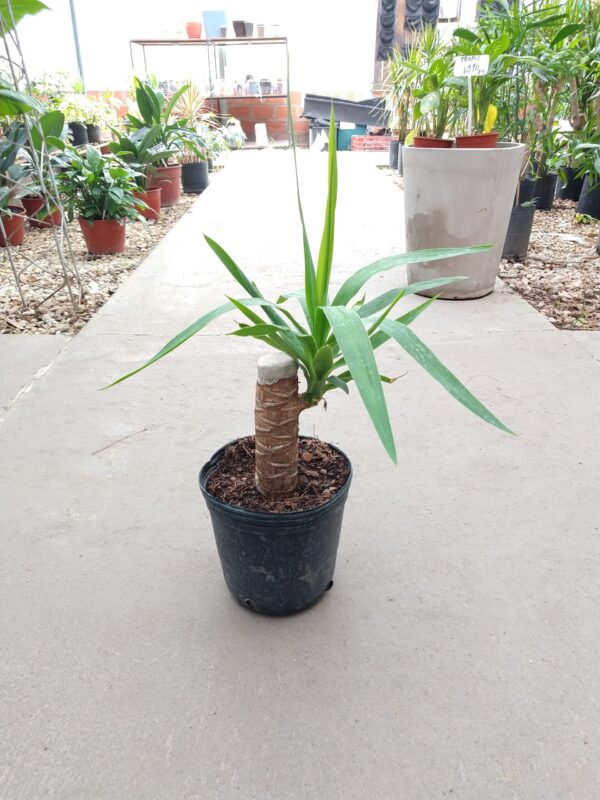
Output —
<point x="459" y="197"/>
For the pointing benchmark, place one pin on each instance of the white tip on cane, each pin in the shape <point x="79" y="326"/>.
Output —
<point x="275" y="367"/>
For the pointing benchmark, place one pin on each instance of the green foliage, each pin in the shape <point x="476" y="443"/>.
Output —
<point x="334" y="345"/>
<point x="17" y="10"/>
<point x="141" y="149"/>
<point x="98" y="187"/>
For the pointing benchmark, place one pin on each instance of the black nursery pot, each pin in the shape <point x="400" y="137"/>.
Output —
<point x="516" y="243"/>
<point x="589" y="200"/>
<point x="545" y="189"/>
<point x="394" y="150"/>
<point x="571" y="188"/>
<point x="194" y="177"/>
<point x="527" y="188"/>
<point x="94" y="133"/>
<point x="79" y="135"/>
<point x="276" y="563"/>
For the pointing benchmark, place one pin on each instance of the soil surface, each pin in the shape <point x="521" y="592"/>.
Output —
<point x="100" y="275"/>
<point x="322" y="472"/>
<point x="560" y="276"/>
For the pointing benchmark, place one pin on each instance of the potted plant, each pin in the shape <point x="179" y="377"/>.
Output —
<point x="156" y="110"/>
<point x="13" y="186"/>
<point x="589" y="200"/>
<point x="100" y="190"/>
<point x="568" y="162"/>
<point x="139" y="150"/>
<point x="398" y="99"/>
<point x="277" y="544"/>
<point x="41" y="155"/>
<point x="432" y="93"/>
<point x="76" y="109"/>
<point x="194" y="171"/>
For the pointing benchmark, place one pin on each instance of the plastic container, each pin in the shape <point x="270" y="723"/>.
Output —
<point x="103" y="236"/>
<point x="213" y="22"/>
<point x="516" y="243"/>
<point x="194" y="177"/>
<point x="151" y="198"/>
<point x="276" y="563"/>
<point x="572" y="186"/>
<point x="589" y="200"/>
<point x="169" y="180"/>
<point x="545" y="189"/>
<point x="344" y="135"/>
<point x="430" y="141"/>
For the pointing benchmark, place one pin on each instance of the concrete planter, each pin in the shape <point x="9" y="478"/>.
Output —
<point x="456" y="198"/>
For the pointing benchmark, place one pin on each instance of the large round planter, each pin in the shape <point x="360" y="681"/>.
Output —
<point x="457" y="198"/>
<point x="33" y="205"/>
<point x="94" y="133"/>
<point x="103" y="236"/>
<point x="194" y="177"/>
<point x="78" y="133"/>
<point x="151" y="198"/>
<point x="477" y="140"/>
<point x="516" y="243"/>
<point x="589" y="200"/>
<point x="169" y="180"/>
<point x="14" y="228"/>
<point x="393" y="153"/>
<point x="276" y="563"/>
<point x="571" y="188"/>
<point x="545" y="189"/>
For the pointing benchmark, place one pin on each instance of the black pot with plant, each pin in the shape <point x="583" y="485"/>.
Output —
<point x="194" y="176"/>
<point x="276" y="500"/>
<point x="518" y="235"/>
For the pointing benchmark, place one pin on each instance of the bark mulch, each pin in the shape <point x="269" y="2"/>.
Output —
<point x="322" y="472"/>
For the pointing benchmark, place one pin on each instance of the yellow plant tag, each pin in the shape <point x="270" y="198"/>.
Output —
<point x="490" y="118"/>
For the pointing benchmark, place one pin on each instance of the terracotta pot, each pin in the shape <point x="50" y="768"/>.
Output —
<point x="169" y="180"/>
<point x="152" y="200"/>
<point x="430" y="141"/>
<point x="103" y="235"/>
<point x="14" y="227"/>
<point x="478" y="140"/>
<point x="33" y="205"/>
<point x="193" y="30"/>
<point x="105" y="149"/>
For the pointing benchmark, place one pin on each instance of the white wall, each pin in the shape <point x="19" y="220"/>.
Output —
<point x="331" y="44"/>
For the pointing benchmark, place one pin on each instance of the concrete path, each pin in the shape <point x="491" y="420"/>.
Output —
<point x="22" y="359"/>
<point x="457" y="655"/>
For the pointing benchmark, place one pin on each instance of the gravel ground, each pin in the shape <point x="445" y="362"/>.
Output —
<point x="561" y="275"/>
<point x="101" y="275"/>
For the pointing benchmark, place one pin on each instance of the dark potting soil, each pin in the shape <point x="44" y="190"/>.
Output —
<point x="322" y="472"/>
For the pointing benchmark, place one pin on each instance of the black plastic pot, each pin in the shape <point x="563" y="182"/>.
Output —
<point x="527" y="188"/>
<point x="598" y="245"/>
<point x="394" y="149"/>
<point x="571" y="188"/>
<point x="276" y="563"/>
<point x="194" y="177"/>
<point x="94" y="133"/>
<point x="516" y="243"/>
<point x="400" y="169"/>
<point x="211" y="164"/>
<point x="589" y="200"/>
<point x="79" y="134"/>
<point x="545" y="189"/>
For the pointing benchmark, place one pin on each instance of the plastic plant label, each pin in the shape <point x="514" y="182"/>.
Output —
<point x="468" y="66"/>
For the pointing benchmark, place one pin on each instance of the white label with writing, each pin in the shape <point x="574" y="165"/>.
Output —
<point x="464" y="66"/>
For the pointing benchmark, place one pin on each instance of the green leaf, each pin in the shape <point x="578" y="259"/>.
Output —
<point x="466" y="34"/>
<point x="323" y="361"/>
<point x="20" y="8"/>
<point x="181" y="337"/>
<point x="13" y="103"/>
<point x="430" y="102"/>
<point x="173" y="101"/>
<point x="416" y="348"/>
<point x="338" y="383"/>
<point x="146" y="105"/>
<point x="326" y="249"/>
<point x="260" y="330"/>
<point x="380" y="302"/>
<point x="354" y="343"/>
<point x="355" y="282"/>
<point x="565" y="32"/>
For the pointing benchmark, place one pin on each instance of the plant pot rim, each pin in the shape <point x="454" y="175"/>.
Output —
<point x="273" y="517"/>
<point x="467" y="152"/>
<point x="120" y="221"/>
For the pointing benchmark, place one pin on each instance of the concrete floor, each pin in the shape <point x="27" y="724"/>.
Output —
<point x="22" y="359"/>
<point x="457" y="655"/>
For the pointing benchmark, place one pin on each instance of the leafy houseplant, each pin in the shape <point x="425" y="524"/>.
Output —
<point x="140" y="150"/>
<point x="12" y="186"/>
<point x="101" y="191"/>
<point x="76" y="108"/>
<point x="278" y="552"/>
<point x="47" y="137"/>
<point x="433" y="96"/>
<point x="174" y="135"/>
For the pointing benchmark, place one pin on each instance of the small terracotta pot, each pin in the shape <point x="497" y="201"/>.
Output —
<point x="430" y="141"/>
<point x="32" y="205"/>
<point x="103" y="235"/>
<point x="169" y="180"/>
<point x="478" y="140"/>
<point x="105" y="149"/>
<point x="152" y="199"/>
<point x="193" y="30"/>
<point x="14" y="227"/>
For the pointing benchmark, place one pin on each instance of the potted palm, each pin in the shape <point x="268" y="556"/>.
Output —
<point x="174" y="135"/>
<point x="398" y="99"/>
<point x="139" y="149"/>
<point x="433" y="93"/>
<point x="100" y="190"/>
<point x="276" y="499"/>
